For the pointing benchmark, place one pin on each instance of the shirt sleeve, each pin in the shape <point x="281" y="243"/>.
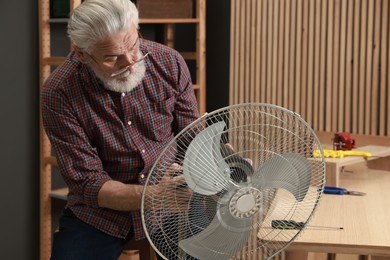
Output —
<point x="186" y="107"/>
<point x="78" y="160"/>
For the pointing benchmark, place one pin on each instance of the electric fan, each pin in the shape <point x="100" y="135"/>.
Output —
<point x="218" y="187"/>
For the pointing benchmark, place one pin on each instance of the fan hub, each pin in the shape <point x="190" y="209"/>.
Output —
<point x="245" y="202"/>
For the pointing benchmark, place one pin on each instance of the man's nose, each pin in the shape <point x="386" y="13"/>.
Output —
<point x="129" y="59"/>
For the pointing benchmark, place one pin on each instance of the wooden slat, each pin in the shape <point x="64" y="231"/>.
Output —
<point x="258" y="79"/>
<point x="341" y="116"/>
<point x="169" y="35"/>
<point x="286" y="82"/>
<point x="316" y="76"/>
<point x="232" y="60"/>
<point x="310" y="64"/>
<point x="329" y="69"/>
<point x="201" y="53"/>
<point x="237" y="52"/>
<point x="356" y="62"/>
<point x="247" y="46"/>
<point x="385" y="68"/>
<point x="293" y="30"/>
<point x="323" y="47"/>
<point x="349" y="67"/>
<point x="242" y="57"/>
<point x="369" y="57"/>
<point x="280" y="50"/>
<point x="328" y="60"/>
<point x="298" y="97"/>
<point x="268" y="78"/>
<point x="252" y="67"/>
<point x="374" y="127"/>
<point x="335" y="112"/>
<point x="387" y="85"/>
<point x="264" y="35"/>
<point x="362" y="67"/>
<point x="274" y="45"/>
<point x="45" y="183"/>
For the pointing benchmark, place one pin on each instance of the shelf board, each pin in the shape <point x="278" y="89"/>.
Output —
<point x="58" y="20"/>
<point x="168" y="20"/>
<point x="188" y="55"/>
<point x="59" y="193"/>
<point x="54" y="61"/>
<point x="50" y="160"/>
<point x="143" y="20"/>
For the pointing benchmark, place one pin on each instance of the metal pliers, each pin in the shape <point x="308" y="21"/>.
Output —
<point x="341" y="191"/>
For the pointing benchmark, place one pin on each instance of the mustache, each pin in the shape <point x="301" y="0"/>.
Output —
<point x="121" y="71"/>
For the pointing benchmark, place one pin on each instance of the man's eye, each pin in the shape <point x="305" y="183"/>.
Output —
<point x="111" y="59"/>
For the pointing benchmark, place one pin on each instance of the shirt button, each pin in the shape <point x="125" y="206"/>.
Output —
<point x="143" y="151"/>
<point x="123" y="94"/>
<point x="142" y="176"/>
<point x="129" y="122"/>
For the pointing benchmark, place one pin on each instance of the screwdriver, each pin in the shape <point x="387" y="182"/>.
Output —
<point x="291" y="224"/>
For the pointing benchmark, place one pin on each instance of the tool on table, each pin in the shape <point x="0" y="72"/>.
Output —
<point x="291" y="224"/>
<point x="343" y="141"/>
<point x="340" y="153"/>
<point x="341" y="191"/>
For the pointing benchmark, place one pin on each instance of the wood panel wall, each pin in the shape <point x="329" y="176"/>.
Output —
<point x="328" y="60"/>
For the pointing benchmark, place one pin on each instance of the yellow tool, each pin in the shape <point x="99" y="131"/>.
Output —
<point x="340" y="153"/>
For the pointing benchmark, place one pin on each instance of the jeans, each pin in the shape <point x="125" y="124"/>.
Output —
<point x="77" y="240"/>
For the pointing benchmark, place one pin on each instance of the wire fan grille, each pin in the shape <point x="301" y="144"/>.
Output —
<point x="217" y="186"/>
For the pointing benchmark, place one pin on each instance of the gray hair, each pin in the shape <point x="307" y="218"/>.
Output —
<point x="95" y="20"/>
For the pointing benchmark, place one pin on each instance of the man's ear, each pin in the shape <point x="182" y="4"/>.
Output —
<point x="81" y="54"/>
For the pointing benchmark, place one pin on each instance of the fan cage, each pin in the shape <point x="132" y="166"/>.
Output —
<point x="256" y="133"/>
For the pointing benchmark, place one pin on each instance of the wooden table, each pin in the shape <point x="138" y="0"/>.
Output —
<point x="365" y="219"/>
<point x="380" y="160"/>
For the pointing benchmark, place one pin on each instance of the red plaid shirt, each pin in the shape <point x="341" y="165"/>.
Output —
<point x="99" y="135"/>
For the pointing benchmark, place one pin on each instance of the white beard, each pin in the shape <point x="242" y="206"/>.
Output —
<point x="126" y="81"/>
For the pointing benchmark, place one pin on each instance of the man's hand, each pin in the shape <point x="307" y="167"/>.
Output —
<point x="171" y="193"/>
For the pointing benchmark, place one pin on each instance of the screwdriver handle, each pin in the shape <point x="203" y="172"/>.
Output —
<point x="334" y="190"/>
<point x="292" y="224"/>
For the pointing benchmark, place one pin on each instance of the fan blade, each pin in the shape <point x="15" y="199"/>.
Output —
<point x="204" y="168"/>
<point x="289" y="171"/>
<point x="223" y="238"/>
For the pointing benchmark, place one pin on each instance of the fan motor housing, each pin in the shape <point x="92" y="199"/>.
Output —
<point x="245" y="202"/>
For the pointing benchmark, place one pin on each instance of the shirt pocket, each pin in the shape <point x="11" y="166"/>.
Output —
<point x="159" y="127"/>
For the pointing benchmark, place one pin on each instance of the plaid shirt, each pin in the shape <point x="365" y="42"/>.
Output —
<point x="99" y="135"/>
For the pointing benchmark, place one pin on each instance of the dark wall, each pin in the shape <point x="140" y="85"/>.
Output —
<point x="217" y="53"/>
<point x="19" y="150"/>
<point x="19" y="100"/>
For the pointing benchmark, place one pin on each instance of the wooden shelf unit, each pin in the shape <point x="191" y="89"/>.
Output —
<point x="47" y="62"/>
